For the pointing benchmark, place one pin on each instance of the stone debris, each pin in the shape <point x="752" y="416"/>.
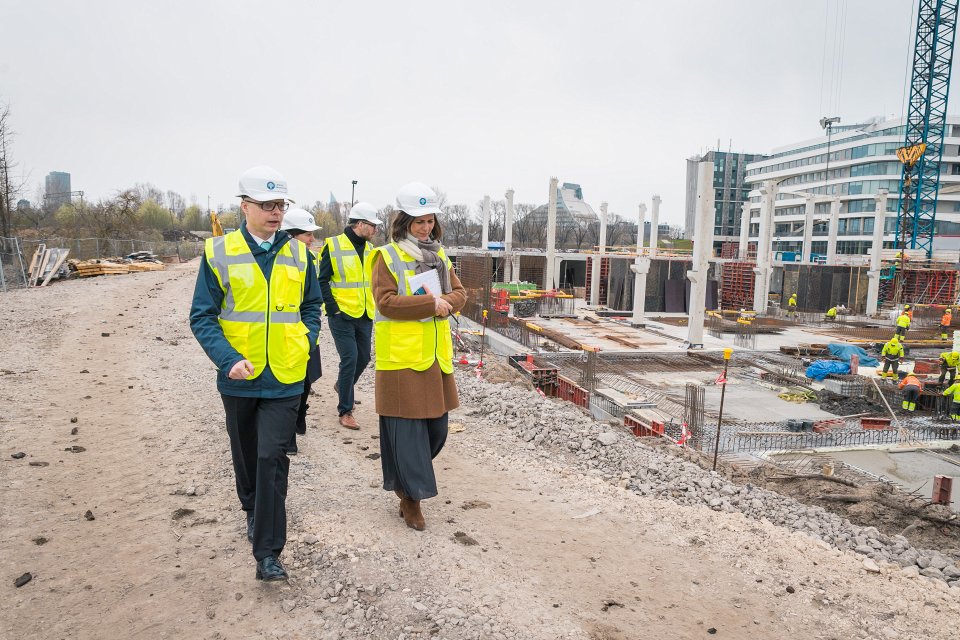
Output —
<point x="22" y="580"/>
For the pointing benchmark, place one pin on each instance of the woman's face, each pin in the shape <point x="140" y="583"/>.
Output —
<point x="420" y="228"/>
<point x="306" y="238"/>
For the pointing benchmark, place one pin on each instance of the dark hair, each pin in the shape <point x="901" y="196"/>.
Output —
<point x="295" y="232"/>
<point x="400" y="227"/>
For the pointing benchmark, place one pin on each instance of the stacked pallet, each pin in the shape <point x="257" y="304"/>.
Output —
<point x="145" y="266"/>
<point x="45" y="265"/>
<point x="88" y="268"/>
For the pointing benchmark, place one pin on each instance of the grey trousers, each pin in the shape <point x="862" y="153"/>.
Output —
<point x="407" y="450"/>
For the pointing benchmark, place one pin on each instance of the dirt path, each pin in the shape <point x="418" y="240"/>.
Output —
<point x="518" y="544"/>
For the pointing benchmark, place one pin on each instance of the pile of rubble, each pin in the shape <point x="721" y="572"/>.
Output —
<point x="615" y="455"/>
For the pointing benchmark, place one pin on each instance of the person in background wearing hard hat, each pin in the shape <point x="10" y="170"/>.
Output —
<point x="300" y="225"/>
<point x="891" y="354"/>
<point x="903" y="323"/>
<point x="256" y="313"/>
<point x="911" y="387"/>
<point x="949" y="360"/>
<point x="945" y="321"/>
<point x="345" y="284"/>
<point x="792" y="306"/>
<point x="908" y="310"/>
<point x="831" y="314"/>
<point x="954" y="390"/>
<point x="415" y="387"/>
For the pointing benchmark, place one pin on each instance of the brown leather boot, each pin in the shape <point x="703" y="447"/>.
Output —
<point x="410" y="510"/>
<point x="402" y="496"/>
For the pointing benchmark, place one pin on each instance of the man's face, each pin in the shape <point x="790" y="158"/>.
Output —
<point x="365" y="230"/>
<point x="260" y="222"/>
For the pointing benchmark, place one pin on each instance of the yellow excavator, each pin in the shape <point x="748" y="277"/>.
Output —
<point x="215" y="225"/>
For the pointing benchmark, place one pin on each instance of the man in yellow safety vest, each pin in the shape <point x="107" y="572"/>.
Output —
<point x="949" y="360"/>
<point x="345" y="284"/>
<point x="891" y="354"/>
<point x="954" y="390"/>
<point x="256" y="313"/>
<point x="903" y="323"/>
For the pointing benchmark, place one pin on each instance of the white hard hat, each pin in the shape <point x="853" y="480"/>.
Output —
<point x="364" y="211"/>
<point x="298" y="219"/>
<point x="417" y="199"/>
<point x="263" y="184"/>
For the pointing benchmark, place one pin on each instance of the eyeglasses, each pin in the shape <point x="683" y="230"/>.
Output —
<point x="270" y="206"/>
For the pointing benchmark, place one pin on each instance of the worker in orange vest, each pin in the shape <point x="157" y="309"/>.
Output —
<point x="911" y="387"/>
<point x="945" y="324"/>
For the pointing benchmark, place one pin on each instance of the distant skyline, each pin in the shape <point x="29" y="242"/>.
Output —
<point x="471" y="98"/>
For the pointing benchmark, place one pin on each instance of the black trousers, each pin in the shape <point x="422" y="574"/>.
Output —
<point x="351" y="336"/>
<point x="944" y="370"/>
<point x="260" y="431"/>
<point x="888" y="362"/>
<point x="407" y="450"/>
<point x="900" y="331"/>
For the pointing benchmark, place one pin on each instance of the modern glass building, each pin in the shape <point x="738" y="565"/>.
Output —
<point x="57" y="189"/>
<point x="730" y="191"/>
<point x="852" y="166"/>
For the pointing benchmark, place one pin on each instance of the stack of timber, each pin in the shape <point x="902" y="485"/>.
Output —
<point x="46" y="265"/>
<point x="87" y="268"/>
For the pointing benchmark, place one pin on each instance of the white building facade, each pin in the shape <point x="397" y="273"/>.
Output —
<point x="862" y="162"/>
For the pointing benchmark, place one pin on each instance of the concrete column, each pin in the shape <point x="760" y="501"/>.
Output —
<point x="508" y="238"/>
<point x="834" y="229"/>
<point x="702" y="246"/>
<point x="640" y="268"/>
<point x="744" y="231"/>
<point x="808" y="222"/>
<point x="485" y="224"/>
<point x="655" y="224"/>
<point x="768" y="199"/>
<point x="876" y="249"/>
<point x="548" y="268"/>
<point x="598" y="257"/>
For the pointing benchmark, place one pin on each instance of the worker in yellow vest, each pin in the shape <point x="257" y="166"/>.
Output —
<point x="831" y="314"/>
<point x="903" y="323"/>
<point x="256" y="313"/>
<point x="954" y="391"/>
<point x="908" y="311"/>
<point x="949" y="360"/>
<point x="945" y="321"/>
<point x="911" y="388"/>
<point x="792" y="306"/>
<point x="891" y="353"/>
<point x="345" y="284"/>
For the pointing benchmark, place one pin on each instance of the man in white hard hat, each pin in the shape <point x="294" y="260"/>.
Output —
<point x="300" y="225"/>
<point x="345" y="284"/>
<point x="256" y="313"/>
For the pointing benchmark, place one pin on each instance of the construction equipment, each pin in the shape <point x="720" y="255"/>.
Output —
<point x="215" y="225"/>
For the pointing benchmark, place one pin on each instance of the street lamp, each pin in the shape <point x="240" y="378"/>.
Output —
<point x="353" y="186"/>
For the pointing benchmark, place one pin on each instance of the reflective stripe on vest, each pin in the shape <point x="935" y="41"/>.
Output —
<point x="411" y="344"/>
<point x="350" y="283"/>
<point x="260" y="320"/>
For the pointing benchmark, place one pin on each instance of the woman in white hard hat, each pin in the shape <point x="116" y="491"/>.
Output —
<point x="415" y="387"/>
<point x="300" y="225"/>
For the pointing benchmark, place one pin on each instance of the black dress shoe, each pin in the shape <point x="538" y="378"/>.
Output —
<point x="270" y="569"/>
<point x="250" y="527"/>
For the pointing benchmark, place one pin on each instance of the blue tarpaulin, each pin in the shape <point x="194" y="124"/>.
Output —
<point x="844" y="351"/>
<point x="820" y="369"/>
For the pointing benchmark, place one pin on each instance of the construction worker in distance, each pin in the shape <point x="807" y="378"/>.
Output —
<point x="891" y="354"/>
<point x="954" y="390"/>
<point x="345" y="284"/>
<point x="792" y="306"/>
<point x="907" y="309"/>
<point x="831" y="314"/>
<point x="949" y="360"/>
<point x="911" y="388"/>
<point x="256" y="313"/>
<point x="903" y="323"/>
<point x="945" y="321"/>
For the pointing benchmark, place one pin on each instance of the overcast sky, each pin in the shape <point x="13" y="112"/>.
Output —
<point x="473" y="97"/>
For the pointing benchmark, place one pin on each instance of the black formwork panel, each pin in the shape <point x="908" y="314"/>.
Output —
<point x="819" y="287"/>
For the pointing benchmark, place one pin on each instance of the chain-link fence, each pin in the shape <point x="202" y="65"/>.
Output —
<point x="13" y="270"/>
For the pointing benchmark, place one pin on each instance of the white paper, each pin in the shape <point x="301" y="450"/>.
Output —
<point x="429" y="280"/>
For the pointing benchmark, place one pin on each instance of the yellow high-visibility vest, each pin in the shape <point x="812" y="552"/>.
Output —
<point x="953" y="390"/>
<point x="260" y="320"/>
<point x="903" y="321"/>
<point x="411" y="344"/>
<point x="350" y="284"/>
<point x="892" y="349"/>
<point x="951" y="361"/>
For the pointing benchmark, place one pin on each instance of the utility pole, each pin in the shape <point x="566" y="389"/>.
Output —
<point x="353" y="187"/>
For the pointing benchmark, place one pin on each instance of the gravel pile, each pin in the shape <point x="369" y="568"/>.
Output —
<point x="611" y="452"/>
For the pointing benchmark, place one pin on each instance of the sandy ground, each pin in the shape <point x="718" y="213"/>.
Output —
<point x="557" y="554"/>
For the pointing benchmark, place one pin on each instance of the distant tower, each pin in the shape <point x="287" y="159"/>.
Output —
<point x="57" y="189"/>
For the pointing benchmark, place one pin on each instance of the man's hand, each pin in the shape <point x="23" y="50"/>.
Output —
<point x="241" y="371"/>
<point x="442" y="307"/>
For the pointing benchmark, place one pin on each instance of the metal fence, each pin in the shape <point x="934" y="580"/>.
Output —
<point x="13" y="270"/>
<point x="96" y="248"/>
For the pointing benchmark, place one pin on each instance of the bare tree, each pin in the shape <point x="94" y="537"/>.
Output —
<point x="176" y="204"/>
<point x="456" y="220"/>
<point x="113" y="218"/>
<point x="9" y="187"/>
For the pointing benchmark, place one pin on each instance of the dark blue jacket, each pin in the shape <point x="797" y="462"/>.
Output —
<point x="205" y="312"/>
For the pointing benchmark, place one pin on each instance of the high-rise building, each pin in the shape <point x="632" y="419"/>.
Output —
<point x="57" y="189"/>
<point x="730" y="192"/>
<point x="862" y="160"/>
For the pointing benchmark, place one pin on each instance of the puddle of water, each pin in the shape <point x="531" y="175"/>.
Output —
<point x="913" y="470"/>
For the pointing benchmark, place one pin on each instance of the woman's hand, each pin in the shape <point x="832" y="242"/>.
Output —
<point x="442" y="307"/>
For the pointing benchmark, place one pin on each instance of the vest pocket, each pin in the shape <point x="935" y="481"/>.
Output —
<point x="406" y="342"/>
<point x="295" y="350"/>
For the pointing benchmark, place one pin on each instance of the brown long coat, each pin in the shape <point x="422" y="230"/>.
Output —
<point x="407" y="393"/>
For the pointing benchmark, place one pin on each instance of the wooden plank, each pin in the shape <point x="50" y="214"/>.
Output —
<point x="56" y="267"/>
<point x="43" y="265"/>
<point x="35" y="261"/>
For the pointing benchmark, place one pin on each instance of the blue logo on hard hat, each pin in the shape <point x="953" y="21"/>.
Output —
<point x="271" y="186"/>
<point x="423" y="201"/>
